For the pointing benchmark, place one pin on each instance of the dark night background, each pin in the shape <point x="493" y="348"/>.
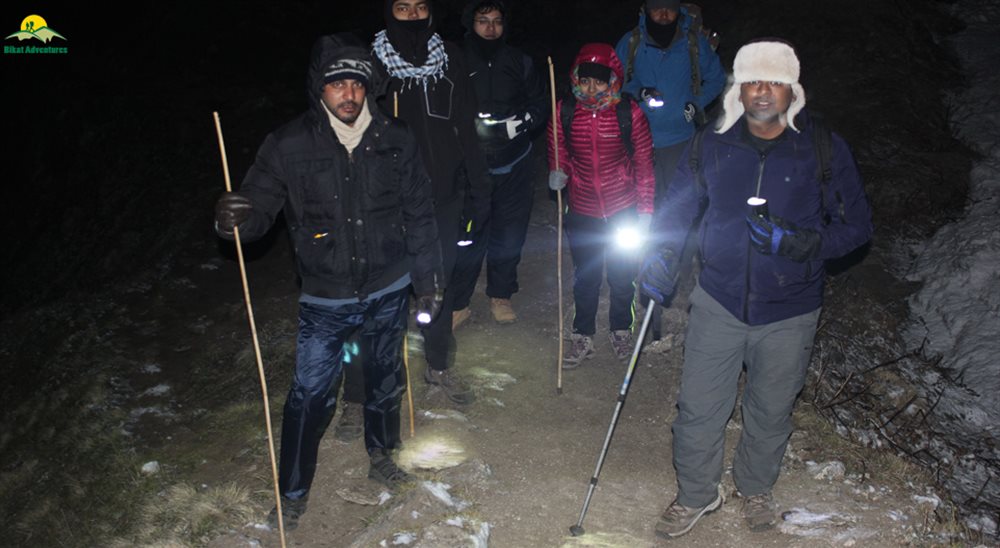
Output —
<point x="112" y="161"/>
<point x="112" y="165"/>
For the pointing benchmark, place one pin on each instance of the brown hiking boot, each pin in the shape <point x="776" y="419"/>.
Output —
<point x="453" y="386"/>
<point x="677" y="520"/>
<point x="758" y="512"/>
<point x="581" y="348"/>
<point x="351" y="424"/>
<point x="503" y="313"/>
<point x="458" y="317"/>
<point x="621" y="343"/>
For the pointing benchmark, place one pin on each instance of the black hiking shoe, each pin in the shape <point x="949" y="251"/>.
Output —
<point x="454" y="386"/>
<point x="385" y="471"/>
<point x="351" y="424"/>
<point x="291" y="511"/>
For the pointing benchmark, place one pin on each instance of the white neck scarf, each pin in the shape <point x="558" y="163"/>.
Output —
<point x="350" y="136"/>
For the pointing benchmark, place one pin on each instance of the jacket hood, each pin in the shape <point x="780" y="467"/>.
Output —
<point x="469" y="13"/>
<point x="602" y="54"/>
<point x="326" y="50"/>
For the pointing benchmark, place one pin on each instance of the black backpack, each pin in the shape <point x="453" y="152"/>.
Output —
<point x="623" y="110"/>
<point x="822" y="144"/>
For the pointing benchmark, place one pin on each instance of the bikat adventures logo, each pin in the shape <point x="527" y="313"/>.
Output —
<point x="34" y="27"/>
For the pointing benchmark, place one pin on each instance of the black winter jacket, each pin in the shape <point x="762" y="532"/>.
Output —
<point x="507" y="84"/>
<point x="442" y="119"/>
<point x="358" y="223"/>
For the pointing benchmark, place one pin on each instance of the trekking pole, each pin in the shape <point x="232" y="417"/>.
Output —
<point x="256" y="342"/>
<point x="559" y="204"/>
<point x="409" y="391"/>
<point x="577" y="530"/>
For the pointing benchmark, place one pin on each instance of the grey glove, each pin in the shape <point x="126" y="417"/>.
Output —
<point x="645" y="220"/>
<point x="231" y="210"/>
<point x="557" y="180"/>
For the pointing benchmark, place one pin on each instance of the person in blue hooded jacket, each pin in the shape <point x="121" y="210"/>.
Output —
<point x="760" y="289"/>
<point x="658" y="65"/>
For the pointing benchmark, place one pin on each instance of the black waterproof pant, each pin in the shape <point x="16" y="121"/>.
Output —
<point x="500" y="241"/>
<point x="592" y="245"/>
<point x="439" y="342"/>
<point x="311" y="401"/>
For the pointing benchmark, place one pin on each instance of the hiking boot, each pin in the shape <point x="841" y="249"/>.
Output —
<point x="758" y="512"/>
<point x="503" y="313"/>
<point x="458" y="317"/>
<point x="454" y="387"/>
<point x="677" y="520"/>
<point x="581" y="348"/>
<point x="351" y="424"/>
<point x="621" y="343"/>
<point x="385" y="471"/>
<point x="291" y="510"/>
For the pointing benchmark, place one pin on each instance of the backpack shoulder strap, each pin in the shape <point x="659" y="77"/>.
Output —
<point x="823" y="146"/>
<point x="694" y="13"/>
<point x="633" y="46"/>
<point x="566" y="120"/>
<point x="623" y="110"/>
<point x="694" y="158"/>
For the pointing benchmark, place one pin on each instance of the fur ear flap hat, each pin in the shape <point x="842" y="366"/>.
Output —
<point x="767" y="60"/>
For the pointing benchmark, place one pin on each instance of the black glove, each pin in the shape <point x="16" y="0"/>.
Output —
<point x="773" y="235"/>
<point x="428" y="307"/>
<point x="231" y="210"/>
<point x="658" y="276"/>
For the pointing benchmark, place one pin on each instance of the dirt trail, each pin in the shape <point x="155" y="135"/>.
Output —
<point x="529" y="453"/>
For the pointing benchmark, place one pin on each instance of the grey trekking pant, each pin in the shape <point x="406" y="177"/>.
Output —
<point x="717" y="346"/>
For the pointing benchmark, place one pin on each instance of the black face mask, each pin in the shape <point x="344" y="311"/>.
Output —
<point x="409" y="36"/>
<point x="486" y="48"/>
<point x="662" y="34"/>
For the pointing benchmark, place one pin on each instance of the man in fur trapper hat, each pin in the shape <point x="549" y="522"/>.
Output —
<point x="783" y="195"/>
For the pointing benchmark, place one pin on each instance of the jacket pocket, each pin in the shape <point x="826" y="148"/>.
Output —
<point x="316" y="251"/>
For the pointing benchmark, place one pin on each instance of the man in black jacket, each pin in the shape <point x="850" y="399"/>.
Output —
<point x="512" y="103"/>
<point x="425" y="81"/>
<point x="360" y="215"/>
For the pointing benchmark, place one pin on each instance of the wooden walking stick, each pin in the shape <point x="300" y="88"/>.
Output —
<point x="409" y="390"/>
<point x="559" y="204"/>
<point x="406" y="353"/>
<point x="256" y="342"/>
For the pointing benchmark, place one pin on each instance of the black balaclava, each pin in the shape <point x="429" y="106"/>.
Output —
<point x="663" y="35"/>
<point x="409" y="37"/>
<point x="486" y="48"/>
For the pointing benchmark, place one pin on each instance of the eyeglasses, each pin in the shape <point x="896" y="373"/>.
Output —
<point x="498" y="22"/>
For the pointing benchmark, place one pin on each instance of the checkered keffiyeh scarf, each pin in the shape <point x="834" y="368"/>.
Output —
<point x="437" y="60"/>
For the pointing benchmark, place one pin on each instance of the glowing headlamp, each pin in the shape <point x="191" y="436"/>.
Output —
<point x="653" y="102"/>
<point x="758" y="206"/>
<point x="423" y="318"/>
<point x="628" y="237"/>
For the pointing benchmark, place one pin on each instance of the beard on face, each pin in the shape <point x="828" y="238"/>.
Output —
<point x="349" y="116"/>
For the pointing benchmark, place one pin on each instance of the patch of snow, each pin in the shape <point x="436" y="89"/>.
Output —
<point x="150" y="368"/>
<point x="831" y="470"/>
<point x="490" y="379"/>
<point x="457" y="521"/>
<point x="383" y="497"/>
<point x="482" y="537"/>
<point x="150" y="468"/>
<point x="403" y="538"/>
<point x="209" y="266"/>
<point x="448" y="414"/>
<point x="932" y="500"/>
<point x="440" y="491"/>
<point x="157" y="390"/>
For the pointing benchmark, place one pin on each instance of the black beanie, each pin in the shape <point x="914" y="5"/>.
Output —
<point x="349" y="63"/>
<point x="594" y="70"/>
